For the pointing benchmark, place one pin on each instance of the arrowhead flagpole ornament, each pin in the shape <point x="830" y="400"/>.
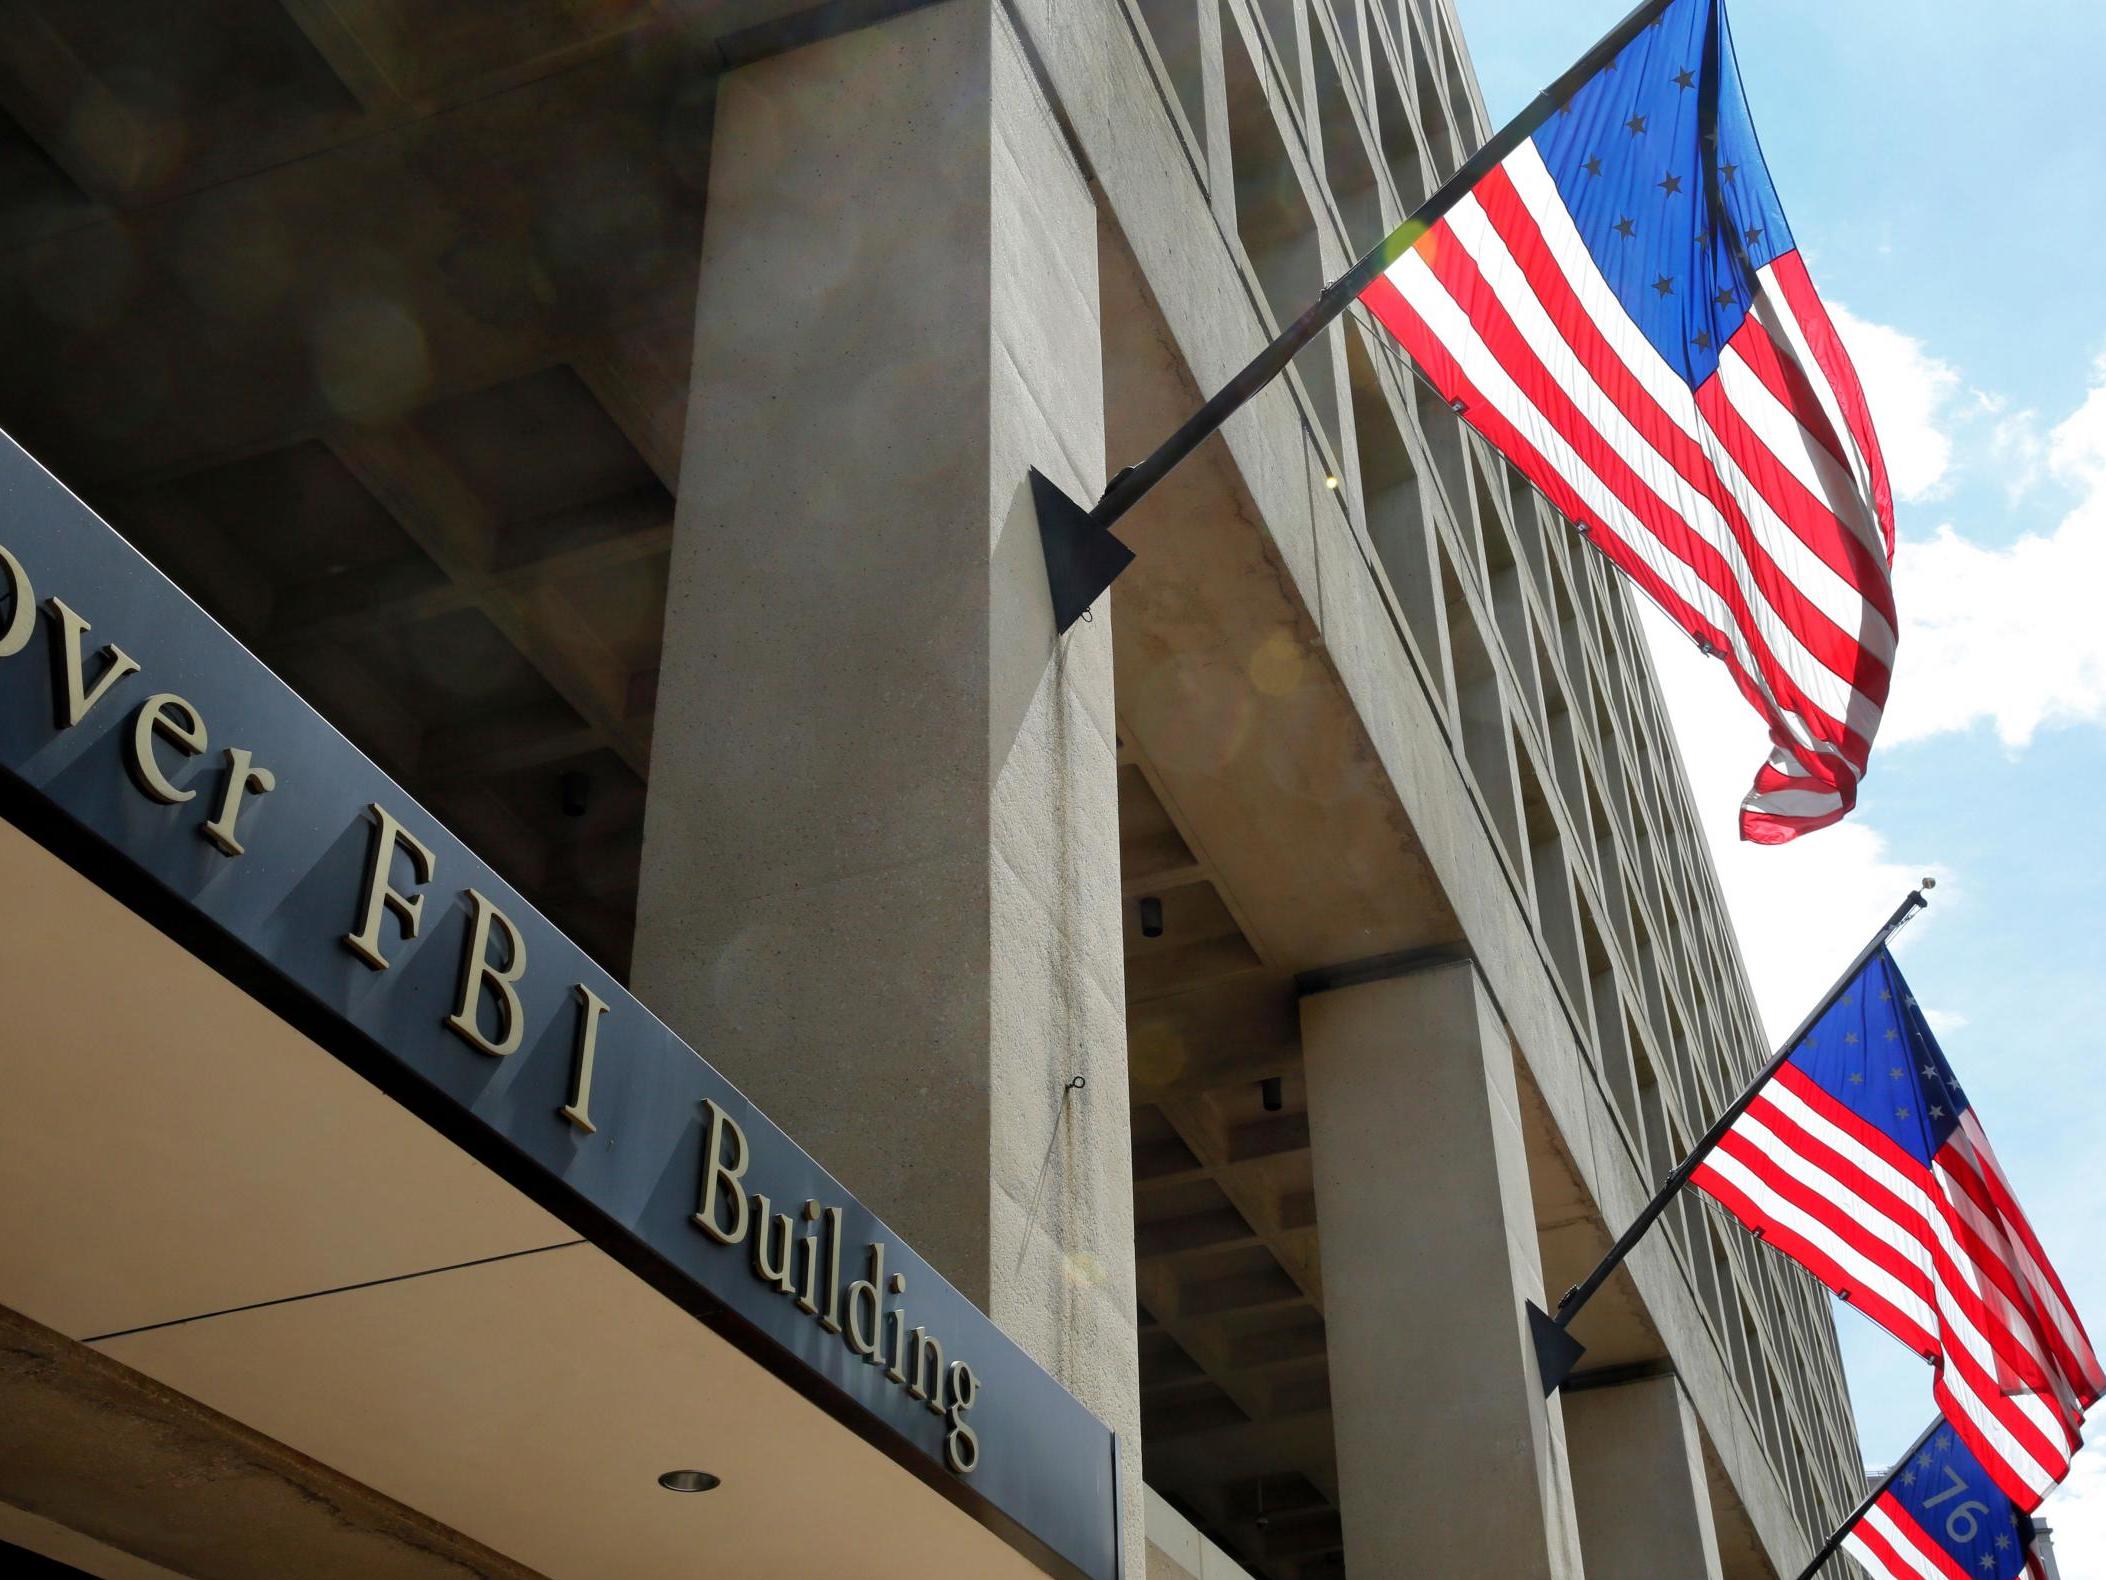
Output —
<point x="1557" y="1351"/>
<point x="1082" y="558"/>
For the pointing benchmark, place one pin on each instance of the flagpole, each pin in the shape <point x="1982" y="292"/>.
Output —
<point x="1557" y="1352"/>
<point x="1835" y="1537"/>
<point x="1082" y="558"/>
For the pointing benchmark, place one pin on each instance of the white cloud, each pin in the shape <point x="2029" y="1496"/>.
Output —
<point x="1803" y="909"/>
<point x="1911" y="394"/>
<point x="1996" y="634"/>
<point x="2075" y="1513"/>
<point x="2009" y="636"/>
<point x="2017" y="448"/>
<point x="2077" y="447"/>
<point x="2004" y="635"/>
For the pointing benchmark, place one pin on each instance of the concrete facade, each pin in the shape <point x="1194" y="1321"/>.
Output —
<point x="616" y="419"/>
<point x="914" y="989"/>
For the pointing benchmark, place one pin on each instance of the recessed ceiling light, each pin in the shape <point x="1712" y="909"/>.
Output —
<point x="689" y="1481"/>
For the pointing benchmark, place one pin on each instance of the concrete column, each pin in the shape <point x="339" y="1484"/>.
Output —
<point x="1450" y="1461"/>
<point x="880" y="878"/>
<point x="1638" y="1481"/>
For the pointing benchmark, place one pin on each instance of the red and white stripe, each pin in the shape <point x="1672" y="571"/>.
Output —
<point x="1939" y="1256"/>
<point x="1991" y="1204"/>
<point x="1754" y="509"/>
<point x="1892" y="1546"/>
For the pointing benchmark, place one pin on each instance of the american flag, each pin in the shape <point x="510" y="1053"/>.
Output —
<point x="1862" y="1159"/>
<point x="1618" y="306"/>
<point x="1942" y="1517"/>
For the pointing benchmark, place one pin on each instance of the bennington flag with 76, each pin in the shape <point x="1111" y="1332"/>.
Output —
<point x="1618" y="306"/>
<point x="1942" y="1517"/>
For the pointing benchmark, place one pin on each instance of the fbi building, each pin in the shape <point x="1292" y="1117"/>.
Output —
<point x="588" y="987"/>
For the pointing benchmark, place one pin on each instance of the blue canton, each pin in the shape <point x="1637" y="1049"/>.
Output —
<point x="1873" y="1052"/>
<point x="1626" y="151"/>
<point x="1948" y="1493"/>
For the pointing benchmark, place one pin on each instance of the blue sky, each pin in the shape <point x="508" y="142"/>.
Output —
<point x="1941" y="166"/>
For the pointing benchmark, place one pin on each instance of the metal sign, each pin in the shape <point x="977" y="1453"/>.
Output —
<point x="144" y="745"/>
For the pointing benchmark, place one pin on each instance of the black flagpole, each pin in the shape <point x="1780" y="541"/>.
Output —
<point x="1557" y="1351"/>
<point x="1082" y="557"/>
<point x="1835" y="1537"/>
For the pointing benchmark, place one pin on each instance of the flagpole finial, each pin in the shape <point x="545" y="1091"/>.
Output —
<point x="1929" y="883"/>
<point x="1082" y="557"/>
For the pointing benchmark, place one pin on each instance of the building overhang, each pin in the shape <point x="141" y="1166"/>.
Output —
<point x="320" y="1124"/>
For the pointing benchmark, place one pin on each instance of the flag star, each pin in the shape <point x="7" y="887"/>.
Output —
<point x="1901" y="1113"/>
<point x="1593" y="165"/>
<point x="1855" y="1077"/>
<point x="1937" y="1112"/>
<point x="2003" y="1540"/>
<point x="1636" y="124"/>
<point x="1933" y="1074"/>
<point x="1565" y="108"/>
<point x="1893" y="1035"/>
<point x="1729" y="170"/>
<point x="1908" y="1478"/>
<point x="1895" y="1072"/>
<point x="1945" y="1439"/>
<point x="1684" y="78"/>
<point x="1886" y="995"/>
<point x="1923" y="1459"/>
<point x="1724" y="297"/>
<point x="1670" y="183"/>
<point x="1754" y="235"/>
<point x="1850" y="1037"/>
<point x="1985" y="1562"/>
<point x="1624" y="228"/>
<point x="1665" y="285"/>
<point x="1702" y="340"/>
